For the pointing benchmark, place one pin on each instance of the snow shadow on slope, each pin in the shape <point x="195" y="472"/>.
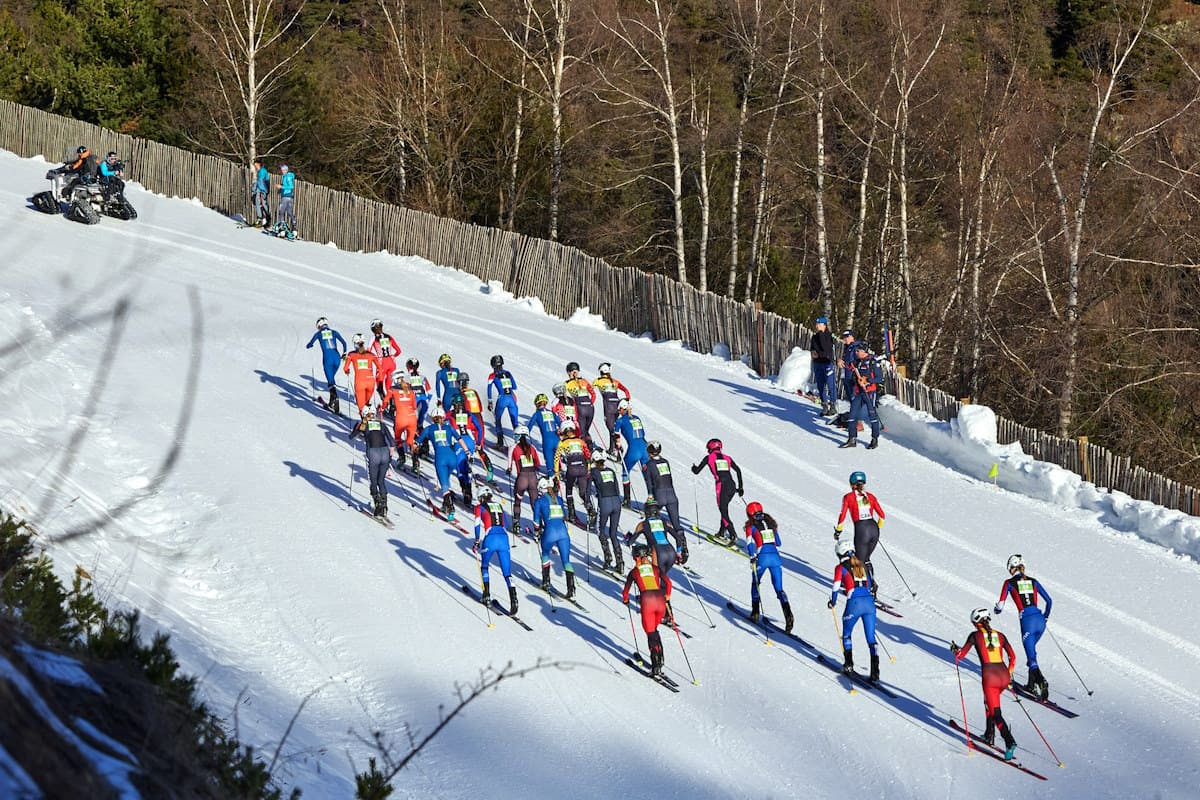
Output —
<point x="784" y="407"/>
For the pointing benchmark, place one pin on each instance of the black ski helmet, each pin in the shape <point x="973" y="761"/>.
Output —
<point x="463" y="379"/>
<point x="641" y="551"/>
<point x="572" y="366"/>
<point x="497" y="362"/>
<point x="654" y="447"/>
<point x="412" y="364"/>
<point x="651" y="508"/>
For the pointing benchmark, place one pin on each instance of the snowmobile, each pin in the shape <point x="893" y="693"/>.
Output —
<point x="86" y="200"/>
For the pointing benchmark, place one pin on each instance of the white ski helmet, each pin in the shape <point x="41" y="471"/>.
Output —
<point x="399" y="379"/>
<point x="521" y="430"/>
<point x="484" y="492"/>
<point x="376" y="323"/>
<point x="322" y="323"/>
<point x="544" y="485"/>
<point x="437" y="413"/>
<point x="980" y="616"/>
<point x="367" y="411"/>
<point x="359" y="340"/>
<point x="1016" y="562"/>
<point x="567" y="427"/>
<point x="559" y="390"/>
<point x="843" y="550"/>
<point x="598" y="457"/>
<point x="605" y="368"/>
<point x="622" y="405"/>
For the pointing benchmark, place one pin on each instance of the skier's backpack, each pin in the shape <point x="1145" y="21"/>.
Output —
<point x="46" y="203"/>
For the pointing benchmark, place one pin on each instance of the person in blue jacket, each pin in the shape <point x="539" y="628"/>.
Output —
<point x="445" y="384"/>
<point x="867" y="377"/>
<point x="333" y="347"/>
<point x="762" y="545"/>
<point x="443" y="438"/>
<point x="287" y="196"/>
<point x="550" y="521"/>
<point x="1026" y="593"/>
<point x="629" y="426"/>
<point x="546" y="421"/>
<point x="262" y="191"/>
<point x="851" y="578"/>
<point x="491" y="528"/>
<point x="502" y="382"/>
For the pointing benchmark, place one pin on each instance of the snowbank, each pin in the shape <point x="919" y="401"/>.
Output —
<point x="968" y="443"/>
<point x="796" y="372"/>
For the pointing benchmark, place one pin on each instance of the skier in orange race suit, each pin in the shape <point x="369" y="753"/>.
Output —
<point x="365" y="367"/>
<point x="655" y="588"/>
<point x="403" y="400"/>
<point x="992" y="647"/>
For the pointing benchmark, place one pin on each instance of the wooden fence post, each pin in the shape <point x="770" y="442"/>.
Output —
<point x="758" y="338"/>
<point x="1083" y="459"/>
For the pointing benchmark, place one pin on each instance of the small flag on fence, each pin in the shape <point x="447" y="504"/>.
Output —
<point x="993" y="473"/>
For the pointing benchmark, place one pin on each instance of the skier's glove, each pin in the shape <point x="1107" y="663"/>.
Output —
<point x="996" y="610"/>
<point x="475" y="547"/>
<point x="954" y="647"/>
<point x="831" y="603"/>
<point x="538" y="531"/>
<point x="628" y="539"/>
<point x="740" y="491"/>
<point x="683" y="555"/>
<point x="1046" y="616"/>
<point x="837" y="533"/>
<point x="489" y="405"/>
<point x="753" y="562"/>
<point x="625" y="600"/>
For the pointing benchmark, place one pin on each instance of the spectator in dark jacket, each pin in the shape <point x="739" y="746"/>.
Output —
<point x="867" y="377"/>
<point x="824" y="372"/>
<point x="83" y="168"/>
<point x="843" y="363"/>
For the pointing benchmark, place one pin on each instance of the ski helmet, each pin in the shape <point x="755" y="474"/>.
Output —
<point x="572" y="366"/>
<point x="754" y="509"/>
<point x="654" y="447"/>
<point x="567" y="428"/>
<point x="1016" y="562"/>
<point x="541" y="400"/>
<point x="622" y="405"/>
<point x="641" y="551"/>
<point x="484" y="492"/>
<point x="437" y="413"/>
<point x="399" y="380"/>
<point x="544" y="485"/>
<point x="367" y="411"/>
<point x="981" y="616"/>
<point x="598" y="457"/>
<point x="521" y="430"/>
<point x="413" y="365"/>
<point x="322" y="323"/>
<point x="463" y="379"/>
<point x="444" y="360"/>
<point x="605" y="368"/>
<point x="559" y="390"/>
<point x="81" y="149"/>
<point x="844" y="551"/>
<point x="714" y="445"/>
<point x="651" y="507"/>
<point x="359" y="340"/>
<point x="376" y="324"/>
<point x="858" y="476"/>
<point x="497" y="362"/>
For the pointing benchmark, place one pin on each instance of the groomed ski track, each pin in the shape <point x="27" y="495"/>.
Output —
<point x="249" y="555"/>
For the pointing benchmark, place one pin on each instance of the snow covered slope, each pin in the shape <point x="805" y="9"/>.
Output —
<point x="248" y="553"/>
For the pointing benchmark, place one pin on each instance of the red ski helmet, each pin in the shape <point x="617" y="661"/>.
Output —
<point x="754" y="509"/>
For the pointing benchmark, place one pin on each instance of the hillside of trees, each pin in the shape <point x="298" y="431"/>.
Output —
<point x="1009" y="185"/>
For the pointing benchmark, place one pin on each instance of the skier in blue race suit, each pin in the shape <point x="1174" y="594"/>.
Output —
<point x="445" y="384"/>
<point x="491" y="523"/>
<point x="550" y="519"/>
<point x="505" y="386"/>
<point x="333" y="347"/>
<point x="546" y="421"/>
<point x="852" y="578"/>
<point x="1025" y="593"/>
<point x="629" y="425"/>
<point x="443" y="437"/>
<point x="762" y="545"/>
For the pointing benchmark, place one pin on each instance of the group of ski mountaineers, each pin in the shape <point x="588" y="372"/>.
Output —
<point x="593" y="456"/>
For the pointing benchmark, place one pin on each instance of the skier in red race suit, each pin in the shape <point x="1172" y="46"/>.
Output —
<point x="992" y="647"/>
<point x="655" y="589"/>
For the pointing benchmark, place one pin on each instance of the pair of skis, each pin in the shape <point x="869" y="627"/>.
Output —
<point x="497" y="609"/>
<point x="995" y="752"/>
<point x="639" y="666"/>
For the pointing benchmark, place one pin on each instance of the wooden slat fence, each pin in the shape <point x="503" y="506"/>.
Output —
<point x="563" y="277"/>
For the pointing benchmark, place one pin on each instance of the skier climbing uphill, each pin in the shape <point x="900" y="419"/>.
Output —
<point x="610" y="390"/>
<point x="550" y="521"/>
<point x="333" y="347"/>
<point x="659" y="535"/>
<point x="365" y="368"/>
<point x="584" y="397"/>
<point x="419" y="385"/>
<point x="443" y="438"/>
<point x="992" y="647"/>
<point x="660" y="483"/>
<point x="605" y="485"/>
<point x="502" y="382"/>
<point x="723" y="469"/>
<point x="631" y="430"/>
<point x="864" y="510"/>
<point x="546" y="421"/>
<point x="379" y="455"/>
<point x="571" y="468"/>
<point x="491" y="531"/>
<point x="852" y="579"/>
<point x="654" y="593"/>
<point x="446" y="381"/>
<point x="762" y="544"/>
<point x="524" y="465"/>
<point x="403" y="402"/>
<point x="1026" y="592"/>
<point x="385" y="349"/>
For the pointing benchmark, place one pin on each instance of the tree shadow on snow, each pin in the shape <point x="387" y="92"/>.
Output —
<point x="789" y="408"/>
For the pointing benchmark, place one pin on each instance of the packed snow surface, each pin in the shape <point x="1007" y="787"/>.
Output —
<point x="156" y="387"/>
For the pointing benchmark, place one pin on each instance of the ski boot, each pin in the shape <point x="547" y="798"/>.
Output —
<point x="448" y="503"/>
<point x="571" y="510"/>
<point x="570" y="584"/>
<point x="851" y="442"/>
<point x="788" y="619"/>
<point x="416" y="464"/>
<point x="545" y="577"/>
<point x="333" y="400"/>
<point x="486" y="599"/>
<point x="592" y="516"/>
<point x="847" y="662"/>
<point x="512" y="600"/>
<point x="1010" y="744"/>
<point x="989" y="733"/>
<point x="654" y="640"/>
<point x="466" y="490"/>
<point x="515" y="528"/>
<point x="376" y="505"/>
<point x="500" y="439"/>
<point x="755" y="609"/>
<point x="619" y="567"/>
<point x="607" y="552"/>
<point x="871" y="445"/>
<point x="626" y="502"/>
<point x="874" y="676"/>
<point x="383" y="498"/>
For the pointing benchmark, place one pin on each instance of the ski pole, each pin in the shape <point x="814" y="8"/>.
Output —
<point x="889" y="558"/>
<point x="1017" y="698"/>
<point x="1072" y="666"/>
<point x="633" y="633"/>
<point x="963" y="698"/>
<point x="891" y="657"/>
<point x="596" y="428"/>
<point x="692" y="589"/>
<point x="755" y="580"/>
<point x="313" y="374"/>
<point x="587" y="536"/>
<point x="696" y="504"/>
<point x="682" y="649"/>
<point x="836" y="627"/>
